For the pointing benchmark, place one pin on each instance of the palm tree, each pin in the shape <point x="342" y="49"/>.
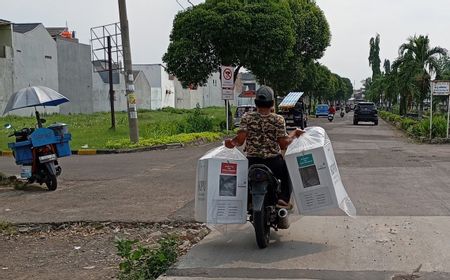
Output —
<point x="416" y="65"/>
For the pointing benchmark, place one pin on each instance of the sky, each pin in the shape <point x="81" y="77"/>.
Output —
<point x="352" y="23"/>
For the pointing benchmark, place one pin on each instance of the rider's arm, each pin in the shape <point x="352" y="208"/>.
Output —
<point x="284" y="139"/>
<point x="241" y="136"/>
<point x="238" y="140"/>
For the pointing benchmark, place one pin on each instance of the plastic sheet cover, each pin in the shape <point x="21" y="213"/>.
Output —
<point x="223" y="152"/>
<point x="314" y="149"/>
<point x="315" y="137"/>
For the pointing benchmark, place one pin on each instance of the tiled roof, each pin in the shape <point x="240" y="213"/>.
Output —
<point x="24" y="27"/>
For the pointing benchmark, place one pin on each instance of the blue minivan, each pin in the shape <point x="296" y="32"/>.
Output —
<point x="322" y="110"/>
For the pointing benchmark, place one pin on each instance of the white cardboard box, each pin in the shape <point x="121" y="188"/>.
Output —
<point x="314" y="173"/>
<point x="221" y="187"/>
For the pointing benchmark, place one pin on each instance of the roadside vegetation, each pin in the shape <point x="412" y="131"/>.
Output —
<point x="280" y="42"/>
<point x="419" y="129"/>
<point x="404" y="85"/>
<point x="143" y="262"/>
<point x="164" y="126"/>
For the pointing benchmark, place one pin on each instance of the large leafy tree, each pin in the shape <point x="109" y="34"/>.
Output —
<point x="417" y="62"/>
<point x="374" y="56"/>
<point x="274" y="39"/>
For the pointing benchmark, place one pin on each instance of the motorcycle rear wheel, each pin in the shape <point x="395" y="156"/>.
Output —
<point x="262" y="228"/>
<point x="51" y="182"/>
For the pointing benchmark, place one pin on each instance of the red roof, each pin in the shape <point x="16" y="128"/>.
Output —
<point x="248" y="94"/>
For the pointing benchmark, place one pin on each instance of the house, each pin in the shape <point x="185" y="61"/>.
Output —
<point x="28" y="56"/>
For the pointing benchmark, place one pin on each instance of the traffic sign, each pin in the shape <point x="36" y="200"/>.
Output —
<point x="227" y="73"/>
<point x="227" y="94"/>
<point x="440" y="88"/>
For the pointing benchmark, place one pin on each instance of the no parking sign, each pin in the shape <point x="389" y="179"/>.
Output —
<point x="227" y="75"/>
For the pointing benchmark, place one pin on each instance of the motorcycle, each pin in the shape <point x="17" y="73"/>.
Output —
<point x="330" y="117"/>
<point x="342" y="113"/>
<point x="37" y="151"/>
<point x="264" y="212"/>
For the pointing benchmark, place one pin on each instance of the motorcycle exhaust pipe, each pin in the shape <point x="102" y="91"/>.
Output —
<point x="283" y="219"/>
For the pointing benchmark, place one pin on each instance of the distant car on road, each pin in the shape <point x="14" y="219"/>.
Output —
<point x="322" y="110"/>
<point x="240" y="111"/>
<point x="365" y="112"/>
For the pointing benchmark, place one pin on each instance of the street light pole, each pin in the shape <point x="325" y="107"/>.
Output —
<point x="129" y="80"/>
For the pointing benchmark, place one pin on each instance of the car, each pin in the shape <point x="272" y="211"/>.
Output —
<point x="240" y="111"/>
<point x="365" y="112"/>
<point x="322" y="110"/>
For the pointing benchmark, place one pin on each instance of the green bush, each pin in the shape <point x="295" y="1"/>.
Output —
<point x="406" y="123"/>
<point x="195" y="122"/>
<point x="164" y="139"/>
<point x="143" y="263"/>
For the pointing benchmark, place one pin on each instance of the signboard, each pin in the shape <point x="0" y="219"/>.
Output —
<point x="227" y="94"/>
<point x="440" y="88"/>
<point x="227" y="74"/>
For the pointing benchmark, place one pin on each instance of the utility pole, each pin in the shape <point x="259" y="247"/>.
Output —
<point x="129" y="80"/>
<point x="111" y="87"/>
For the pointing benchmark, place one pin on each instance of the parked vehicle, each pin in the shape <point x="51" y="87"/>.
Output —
<point x="365" y="112"/>
<point x="37" y="151"/>
<point x="240" y="111"/>
<point x="322" y="110"/>
<point x="342" y="113"/>
<point x="263" y="209"/>
<point x="330" y="117"/>
<point x="292" y="108"/>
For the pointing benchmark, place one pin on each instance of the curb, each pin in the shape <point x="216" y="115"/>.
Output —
<point x="91" y="152"/>
<point x="6" y="153"/>
<point x="84" y="152"/>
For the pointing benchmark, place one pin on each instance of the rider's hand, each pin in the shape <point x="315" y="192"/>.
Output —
<point x="299" y="132"/>
<point x="229" y="143"/>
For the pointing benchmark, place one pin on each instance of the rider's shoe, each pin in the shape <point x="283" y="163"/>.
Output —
<point x="283" y="204"/>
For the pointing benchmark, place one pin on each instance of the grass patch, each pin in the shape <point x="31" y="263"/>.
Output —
<point x="7" y="228"/>
<point x="140" y="262"/>
<point x="154" y="126"/>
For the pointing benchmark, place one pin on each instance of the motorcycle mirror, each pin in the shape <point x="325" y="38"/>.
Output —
<point x="7" y="125"/>
<point x="43" y="120"/>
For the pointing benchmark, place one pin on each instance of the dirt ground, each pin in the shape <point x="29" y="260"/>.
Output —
<point x="80" y="250"/>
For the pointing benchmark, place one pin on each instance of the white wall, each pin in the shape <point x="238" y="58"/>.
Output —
<point x="6" y="78"/>
<point x="35" y="63"/>
<point x="143" y="92"/>
<point x="75" y="76"/>
<point x="100" y="95"/>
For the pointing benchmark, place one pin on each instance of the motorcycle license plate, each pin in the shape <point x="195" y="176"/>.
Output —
<point x="47" y="158"/>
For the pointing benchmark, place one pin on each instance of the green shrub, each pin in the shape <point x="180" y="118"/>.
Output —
<point x="195" y="122"/>
<point x="164" y="139"/>
<point x="406" y="123"/>
<point x="143" y="263"/>
<point x="422" y="128"/>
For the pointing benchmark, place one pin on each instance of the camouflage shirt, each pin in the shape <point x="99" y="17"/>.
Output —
<point x="262" y="134"/>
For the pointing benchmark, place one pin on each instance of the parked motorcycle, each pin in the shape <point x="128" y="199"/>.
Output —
<point x="263" y="209"/>
<point x="37" y="151"/>
<point x="330" y="117"/>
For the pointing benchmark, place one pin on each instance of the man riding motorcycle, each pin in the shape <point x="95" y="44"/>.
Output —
<point x="265" y="135"/>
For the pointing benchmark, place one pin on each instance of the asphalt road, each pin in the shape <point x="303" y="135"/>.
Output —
<point x="400" y="190"/>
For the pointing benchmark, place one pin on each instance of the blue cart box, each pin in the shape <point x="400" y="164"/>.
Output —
<point x="22" y="152"/>
<point x="63" y="147"/>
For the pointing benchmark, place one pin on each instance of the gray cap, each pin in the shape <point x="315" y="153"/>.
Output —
<point x="264" y="93"/>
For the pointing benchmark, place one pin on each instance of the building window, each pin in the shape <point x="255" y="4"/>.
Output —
<point x="48" y="57"/>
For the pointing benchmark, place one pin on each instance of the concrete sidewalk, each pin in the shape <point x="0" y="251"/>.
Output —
<point x="324" y="248"/>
